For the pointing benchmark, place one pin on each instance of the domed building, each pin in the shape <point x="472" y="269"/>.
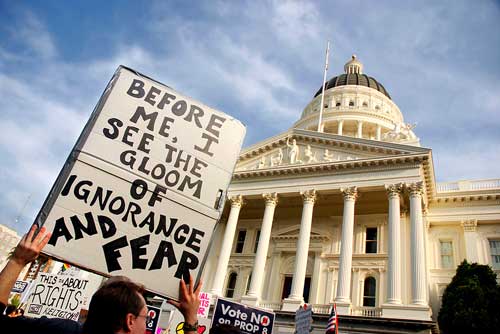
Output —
<point x="344" y="208"/>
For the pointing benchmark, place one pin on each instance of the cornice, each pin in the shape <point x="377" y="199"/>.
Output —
<point x="458" y="198"/>
<point x="390" y="162"/>
<point x="368" y="145"/>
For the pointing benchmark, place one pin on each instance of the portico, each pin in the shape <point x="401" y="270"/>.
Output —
<point x="328" y="241"/>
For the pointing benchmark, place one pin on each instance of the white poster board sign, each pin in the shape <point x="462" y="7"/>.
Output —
<point x="57" y="296"/>
<point x="303" y="319"/>
<point x="143" y="188"/>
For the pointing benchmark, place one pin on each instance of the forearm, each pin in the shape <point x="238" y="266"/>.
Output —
<point x="8" y="278"/>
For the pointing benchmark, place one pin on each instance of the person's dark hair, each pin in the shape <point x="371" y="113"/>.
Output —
<point x="110" y="305"/>
<point x="10" y="309"/>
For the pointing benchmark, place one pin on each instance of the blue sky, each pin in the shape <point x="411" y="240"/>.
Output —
<point x="260" y="61"/>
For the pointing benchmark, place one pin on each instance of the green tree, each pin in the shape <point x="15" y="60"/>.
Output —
<point x="471" y="302"/>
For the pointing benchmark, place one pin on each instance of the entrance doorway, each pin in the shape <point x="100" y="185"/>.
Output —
<point x="287" y="288"/>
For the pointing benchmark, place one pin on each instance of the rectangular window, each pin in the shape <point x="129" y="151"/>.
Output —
<point x="371" y="240"/>
<point x="257" y="238"/>
<point x="495" y="253"/>
<point x="248" y="283"/>
<point x="240" y="241"/>
<point x="446" y="254"/>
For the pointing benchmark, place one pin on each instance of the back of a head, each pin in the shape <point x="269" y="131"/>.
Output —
<point x="110" y="305"/>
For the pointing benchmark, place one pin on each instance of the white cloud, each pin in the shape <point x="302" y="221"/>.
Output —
<point x="35" y="35"/>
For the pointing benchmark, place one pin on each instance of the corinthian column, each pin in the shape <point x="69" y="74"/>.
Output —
<point x="296" y="295"/>
<point x="309" y="197"/>
<point x="345" y="265"/>
<point x="394" y="265"/>
<point x="254" y="293"/>
<point x="419" y="281"/>
<point x="227" y="242"/>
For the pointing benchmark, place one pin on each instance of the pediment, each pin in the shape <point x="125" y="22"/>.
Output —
<point x="300" y="147"/>
<point x="292" y="233"/>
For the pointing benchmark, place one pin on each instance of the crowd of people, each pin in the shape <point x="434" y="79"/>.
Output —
<point x="118" y="306"/>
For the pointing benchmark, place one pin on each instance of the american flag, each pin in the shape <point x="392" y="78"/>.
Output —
<point x="333" y="322"/>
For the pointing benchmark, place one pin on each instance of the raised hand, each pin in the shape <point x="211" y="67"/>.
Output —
<point x="189" y="300"/>
<point x="30" y="247"/>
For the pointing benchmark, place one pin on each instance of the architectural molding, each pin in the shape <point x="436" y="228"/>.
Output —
<point x="469" y="225"/>
<point x="236" y="201"/>
<point x="350" y="193"/>
<point x="271" y="198"/>
<point x="415" y="188"/>
<point x="394" y="190"/>
<point x="309" y="196"/>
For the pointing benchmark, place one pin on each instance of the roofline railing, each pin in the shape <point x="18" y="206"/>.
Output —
<point x="467" y="185"/>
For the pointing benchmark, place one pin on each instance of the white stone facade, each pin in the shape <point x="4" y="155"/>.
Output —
<point x="8" y="241"/>
<point x="356" y="216"/>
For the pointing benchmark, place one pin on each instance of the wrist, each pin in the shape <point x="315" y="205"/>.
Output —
<point x="18" y="262"/>
<point x="191" y="320"/>
<point x="190" y="326"/>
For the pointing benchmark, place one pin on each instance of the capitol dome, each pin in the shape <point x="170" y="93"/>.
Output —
<point x="357" y="105"/>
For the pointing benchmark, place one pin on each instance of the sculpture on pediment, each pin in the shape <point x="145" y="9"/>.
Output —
<point x="262" y="162"/>
<point x="310" y="156"/>
<point x="293" y="151"/>
<point x="327" y="156"/>
<point x="401" y="131"/>
<point x="276" y="160"/>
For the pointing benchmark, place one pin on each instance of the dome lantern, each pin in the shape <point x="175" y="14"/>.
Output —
<point x="353" y="66"/>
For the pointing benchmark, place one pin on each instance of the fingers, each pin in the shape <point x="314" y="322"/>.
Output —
<point x="183" y="288"/>
<point x="39" y="237"/>
<point x="44" y="241"/>
<point x="174" y="303"/>
<point x="190" y="284"/>
<point x="29" y="236"/>
<point x="198" y="288"/>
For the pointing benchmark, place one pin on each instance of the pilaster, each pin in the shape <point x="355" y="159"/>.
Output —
<point x="471" y="239"/>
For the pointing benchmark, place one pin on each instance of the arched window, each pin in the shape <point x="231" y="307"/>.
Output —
<point x="377" y="107"/>
<point x="231" y="284"/>
<point x="369" y="292"/>
<point x="365" y="104"/>
<point x="337" y="104"/>
<point x="351" y="103"/>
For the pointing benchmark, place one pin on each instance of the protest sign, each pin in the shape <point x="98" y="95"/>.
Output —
<point x="57" y="296"/>
<point x="19" y="286"/>
<point x="204" y="304"/>
<point x="303" y="320"/>
<point x="231" y="317"/>
<point x="154" y="317"/>
<point x="142" y="190"/>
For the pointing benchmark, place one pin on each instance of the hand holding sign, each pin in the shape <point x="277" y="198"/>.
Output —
<point x="189" y="301"/>
<point x="26" y="251"/>
<point x="30" y="246"/>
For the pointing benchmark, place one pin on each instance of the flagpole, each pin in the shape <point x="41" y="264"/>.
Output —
<point x="323" y="87"/>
